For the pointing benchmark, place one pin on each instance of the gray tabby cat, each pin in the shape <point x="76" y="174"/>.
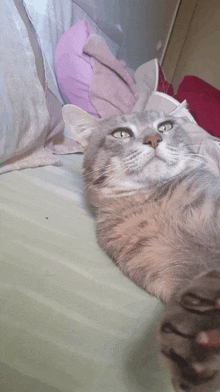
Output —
<point x="157" y="209"/>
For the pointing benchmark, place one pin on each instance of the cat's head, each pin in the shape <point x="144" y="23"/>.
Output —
<point x="131" y="151"/>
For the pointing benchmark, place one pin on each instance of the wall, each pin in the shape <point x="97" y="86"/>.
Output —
<point x="135" y="25"/>
<point x="200" y="55"/>
<point x="144" y="23"/>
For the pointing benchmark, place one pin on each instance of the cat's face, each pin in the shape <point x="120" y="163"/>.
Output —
<point x="137" y="149"/>
<point x="133" y="151"/>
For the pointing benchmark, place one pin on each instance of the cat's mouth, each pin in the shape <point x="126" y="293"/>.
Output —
<point x="150" y="162"/>
<point x="156" y="157"/>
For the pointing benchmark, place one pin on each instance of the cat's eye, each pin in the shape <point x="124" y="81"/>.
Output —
<point x="164" y="127"/>
<point x="122" y="133"/>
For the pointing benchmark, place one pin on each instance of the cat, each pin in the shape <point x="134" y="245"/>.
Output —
<point x="157" y="209"/>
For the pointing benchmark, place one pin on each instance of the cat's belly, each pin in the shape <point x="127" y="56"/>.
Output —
<point x="153" y="243"/>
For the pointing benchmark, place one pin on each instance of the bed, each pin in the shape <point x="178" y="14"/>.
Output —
<point x="70" y="321"/>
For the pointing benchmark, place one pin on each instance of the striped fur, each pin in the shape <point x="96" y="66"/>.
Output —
<point x="157" y="209"/>
<point x="161" y="226"/>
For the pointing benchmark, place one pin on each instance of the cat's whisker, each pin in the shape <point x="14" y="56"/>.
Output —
<point x="94" y="171"/>
<point x="195" y="154"/>
<point x="108" y="171"/>
<point x="171" y="148"/>
<point x="195" y="158"/>
<point x="98" y="170"/>
<point x="88" y="175"/>
<point x="95" y="179"/>
<point x="193" y="145"/>
<point x="133" y="159"/>
<point x="133" y="154"/>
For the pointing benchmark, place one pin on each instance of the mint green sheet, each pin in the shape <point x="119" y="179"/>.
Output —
<point x="70" y="321"/>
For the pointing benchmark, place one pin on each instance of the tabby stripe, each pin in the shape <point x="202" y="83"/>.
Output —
<point x="175" y="358"/>
<point x="137" y="248"/>
<point x="172" y="329"/>
<point x="195" y="378"/>
<point x="100" y="180"/>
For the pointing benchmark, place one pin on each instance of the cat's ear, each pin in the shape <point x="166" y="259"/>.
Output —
<point x="79" y="122"/>
<point x="181" y="110"/>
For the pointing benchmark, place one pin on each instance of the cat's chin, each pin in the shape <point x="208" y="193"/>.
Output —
<point x="154" y="175"/>
<point x="158" y="171"/>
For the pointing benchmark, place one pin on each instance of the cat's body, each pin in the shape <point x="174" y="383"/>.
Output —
<point x="163" y="238"/>
<point x="157" y="206"/>
<point x="161" y="227"/>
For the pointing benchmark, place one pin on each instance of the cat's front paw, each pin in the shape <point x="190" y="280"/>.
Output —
<point x="194" y="367"/>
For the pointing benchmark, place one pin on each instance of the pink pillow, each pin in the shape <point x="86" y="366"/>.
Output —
<point x="73" y="67"/>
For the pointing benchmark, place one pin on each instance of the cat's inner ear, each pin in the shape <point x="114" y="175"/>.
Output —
<point x="181" y="110"/>
<point x="79" y="123"/>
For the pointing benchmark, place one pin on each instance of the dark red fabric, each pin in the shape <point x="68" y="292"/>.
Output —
<point x="163" y="85"/>
<point x="203" y="101"/>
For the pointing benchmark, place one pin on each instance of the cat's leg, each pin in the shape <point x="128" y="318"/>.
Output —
<point x="194" y="367"/>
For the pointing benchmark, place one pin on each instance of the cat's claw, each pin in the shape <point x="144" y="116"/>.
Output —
<point x="195" y="367"/>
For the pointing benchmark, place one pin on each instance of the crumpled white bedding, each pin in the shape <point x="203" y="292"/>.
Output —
<point x="51" y="18"/>
<point x="70" y="321"/>
<point x="30" y="101"/>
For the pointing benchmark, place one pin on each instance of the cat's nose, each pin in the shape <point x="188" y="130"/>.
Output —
<point x="153" y="140"/>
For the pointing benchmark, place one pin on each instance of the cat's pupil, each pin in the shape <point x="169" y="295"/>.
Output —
<point x="122" y="133"/>
<point x="167" y="126"/>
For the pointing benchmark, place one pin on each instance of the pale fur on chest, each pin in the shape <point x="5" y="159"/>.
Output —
<point x="159" y="243"/>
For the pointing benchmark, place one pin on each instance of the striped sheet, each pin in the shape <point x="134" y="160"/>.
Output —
<point x="70" y="321"/>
